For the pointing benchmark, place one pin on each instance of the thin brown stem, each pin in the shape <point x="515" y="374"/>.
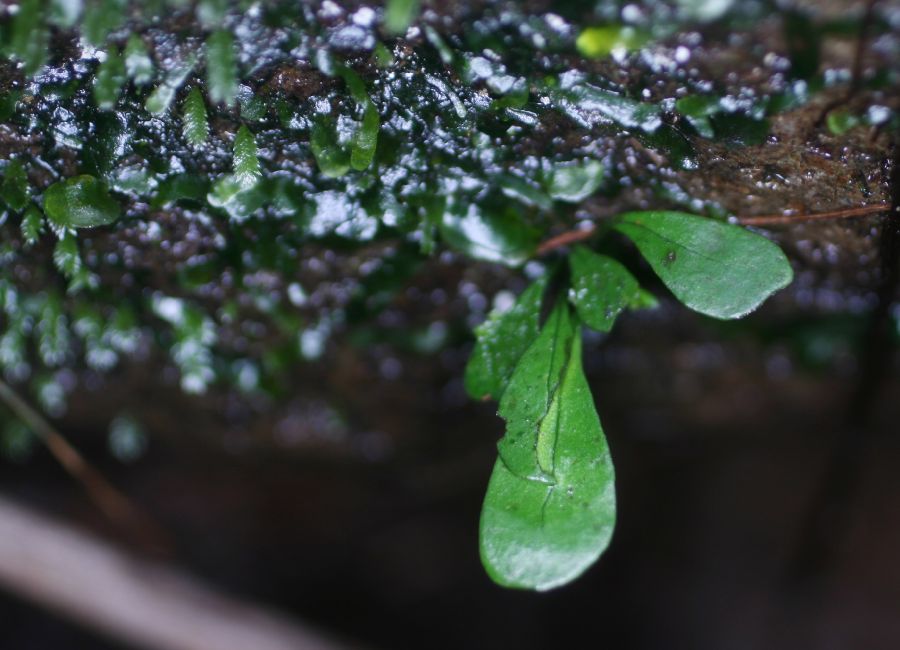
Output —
<point x="575" y="236"/>
<point x="115" y="505"/>
<point x="846" y="213"/>
<point x="565" y="239"/>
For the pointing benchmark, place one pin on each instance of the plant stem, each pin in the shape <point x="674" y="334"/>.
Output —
<point x="115" y="505"/>
<point x="575" y="236"/>
<point x="777" y="219"/>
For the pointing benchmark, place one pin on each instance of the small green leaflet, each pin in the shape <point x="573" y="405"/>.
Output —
<point x="100" y="19"/>
<point x="715" y="268"/>
<point x="64" y="13"/>
<point x="399" y="14"/>
<point x="194" y="126"/>
<point x="527" y="403"/>
<point x="66" y="257"/>
<point x="211" y="13"/>
<point x="246" y="159"/>
<point x="80" y="202"/>
<point x="599" y="42"/>
<point x="601" y="288"/>
<point x="253" y="108"/>
<point x="109" y="80"/>
<point x="14" y="190"/>
<point x="496" y="236"/>
<point x="138" y="64"/>
<point x="539" y="536"/>
<point x="28" y="41"/>
<point x="159" y="100"/>
<point x="333" y="161"/>
<point x="704" y="10"/>
<point x="590" y="106"/>
<point x="523" y="190"/>
<point x="365" y="140"/>
<point x="502" y="340"/>
<point x="221" y="68"/>
<point x="575" y="182"/>
<point x="239" y="202"/>
<point x="32" y="225"/>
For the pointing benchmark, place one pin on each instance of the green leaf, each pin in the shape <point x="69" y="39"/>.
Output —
<point x="332" y="159"/>
<point x="600" y="42"/>
<point x="66" y="257"/>
<point x="590" y="106"/>
<point x="32" y="225"/>
<point x="253" y="107"/>
<point x="704" y="10"/>
<point x="28" y="42"/>
<point x="191" y="188"/>
<point x="527" y="403"/>
<point x="575" y="182"/>
<point x="138" y="63"/>
<point x="499" y="236"/>
<point x="80" y="202"/>
<point x="221" y="68"/>
<point x="523" y="190"/>
<point x="601" y="288"/>
<point x="246" y="159"/>
<point x="399" y="14"/>
<point x="194" y="125"/>
<point x="365" y="140"/>
<point x="355" y="84"/>
<point x="109" y="80"/>
<point x="714" y="268"/>
<point x="14" y="191"/>
<point x="539" y="536"/>
<point x="211" y="13"/>
<point x="100" y="19"/>
<point x="501" y="341"/>
<point x="840" y="121"/>
<point x="697" y="109"/>
<point x="64" y="13"/>
<point x="159" y="100"/>
<point x="238" y="202"/>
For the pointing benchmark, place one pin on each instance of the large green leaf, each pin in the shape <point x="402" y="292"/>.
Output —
<point x="502" y="340"/>
<point x="80" y="202"/>
<point x="527" y="404"/>
<point x="715" y="268"/>
<point x="539" y="536"/>
<point x="601" y="288"/>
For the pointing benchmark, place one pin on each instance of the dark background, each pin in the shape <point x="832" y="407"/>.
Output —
<point x="757" y="485"/>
